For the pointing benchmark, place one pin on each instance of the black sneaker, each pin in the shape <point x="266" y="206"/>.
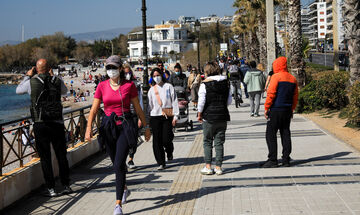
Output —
<point x="285" y="164"/>
<point x="50" y="192"/>
<point x="270" y="164"/>
<point x="131" y="165"/>
<point x="170" y="157"/>
<point x="67" y="190"/>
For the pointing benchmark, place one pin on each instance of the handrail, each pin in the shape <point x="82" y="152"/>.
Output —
<point x="17" y="143"/>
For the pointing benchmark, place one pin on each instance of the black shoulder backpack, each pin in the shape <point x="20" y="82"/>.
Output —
<point x="48" y="105"/>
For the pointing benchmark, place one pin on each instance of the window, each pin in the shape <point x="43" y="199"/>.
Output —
<point x="322" y="27"/>
<point x="322" y="13"/>
<point x="165" y="50"/>
<point x="322" y="20"/>
<point x="179" y="35"/>
<point x="164" y="34"/>
<point x="322" y="34"/>
<point x="136" y="52"/>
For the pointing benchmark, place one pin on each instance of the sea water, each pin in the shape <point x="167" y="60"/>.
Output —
<point x="13" y="106"/>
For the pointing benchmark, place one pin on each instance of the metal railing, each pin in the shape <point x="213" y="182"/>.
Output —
<point x="17" y="142"/>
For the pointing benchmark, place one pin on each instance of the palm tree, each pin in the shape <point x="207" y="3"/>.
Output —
<point x="246" y="23"/>
<point x="352" y="35"/>
<point x="295" y="41"/>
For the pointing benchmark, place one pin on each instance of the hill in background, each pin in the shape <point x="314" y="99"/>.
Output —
<point x="90" y="37"/>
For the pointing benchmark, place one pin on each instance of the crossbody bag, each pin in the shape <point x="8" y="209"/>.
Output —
<point x="167" y="112"/>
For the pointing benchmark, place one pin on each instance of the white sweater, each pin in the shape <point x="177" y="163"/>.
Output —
<point x="168" y="98"/>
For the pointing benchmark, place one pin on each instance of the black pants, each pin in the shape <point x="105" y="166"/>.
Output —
<point x="118" y="153"/>
<point x="163" y="136"/>
<point x="245" y="90"/>
<point x="132" y="150"/>
<point x="46" y="133"/>
<point x="279" y="120"/>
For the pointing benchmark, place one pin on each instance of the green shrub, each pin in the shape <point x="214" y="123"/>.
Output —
<point x="353" y="109"/>
<point x="326" y="90"/>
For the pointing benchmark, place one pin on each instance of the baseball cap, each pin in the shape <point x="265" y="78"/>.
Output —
<point x="113" y="60"/>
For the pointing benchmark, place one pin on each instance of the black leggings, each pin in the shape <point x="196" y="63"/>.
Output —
<point x="118" y="156"/>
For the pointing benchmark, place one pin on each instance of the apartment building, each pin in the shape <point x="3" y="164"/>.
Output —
<point x="317" y="23"/>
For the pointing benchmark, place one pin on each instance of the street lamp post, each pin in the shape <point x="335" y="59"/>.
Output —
<point x="197" y="29"/>
<point x="145" y="57"/>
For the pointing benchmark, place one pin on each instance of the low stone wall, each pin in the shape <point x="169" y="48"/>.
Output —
<point x="21" y="181"/>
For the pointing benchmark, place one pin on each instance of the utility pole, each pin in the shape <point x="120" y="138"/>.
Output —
<point x="145" y="57"/>
<point x="270" y="34"/>
<point x="335" y="34"/>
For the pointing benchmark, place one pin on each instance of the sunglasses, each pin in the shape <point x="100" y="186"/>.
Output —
<point x="111" y="67"/>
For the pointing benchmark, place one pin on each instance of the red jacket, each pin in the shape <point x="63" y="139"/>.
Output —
<point x="282" y="93"/>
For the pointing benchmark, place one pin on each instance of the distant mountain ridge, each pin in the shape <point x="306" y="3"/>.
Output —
<point x="9" y="42"/>
<point x="90" y="37"/>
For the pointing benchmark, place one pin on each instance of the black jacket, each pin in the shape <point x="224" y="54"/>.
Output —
<point x="215" y="109"/>
<point x="109" y="132"/>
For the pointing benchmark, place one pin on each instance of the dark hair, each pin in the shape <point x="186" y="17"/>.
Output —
<point x="157" y="69"/>
<point x="253" y="64"/>
<point x="178" y="66"/>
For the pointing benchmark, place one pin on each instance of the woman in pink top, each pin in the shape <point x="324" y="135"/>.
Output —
<point x="117" y="94"/>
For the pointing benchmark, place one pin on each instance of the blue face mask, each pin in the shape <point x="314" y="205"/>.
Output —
<point x="177" y="73"/>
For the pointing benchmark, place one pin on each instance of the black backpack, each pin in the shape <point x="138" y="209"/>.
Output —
<point x="47" y="106"/>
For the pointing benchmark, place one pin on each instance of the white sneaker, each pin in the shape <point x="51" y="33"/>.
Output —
<point x="126" y="194"/>
<point x="206" y="171"/>
<point x="218" y="171"/>
<point x="161" y="167"/>
<point x="118" y="210"/>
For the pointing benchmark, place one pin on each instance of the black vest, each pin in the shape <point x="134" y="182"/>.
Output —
<point x="217" y="93"/>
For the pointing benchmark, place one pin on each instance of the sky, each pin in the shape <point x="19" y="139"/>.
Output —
<point x="43" y="17"/>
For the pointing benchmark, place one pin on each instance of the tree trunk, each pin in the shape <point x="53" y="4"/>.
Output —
<point x="242" y="45"/>
<point x="295" y="41"/>
<point x="254" y="47"/>
<point x="352" y="35"/>
<point x="246" y="46"/>
<point x="262" y="42"/>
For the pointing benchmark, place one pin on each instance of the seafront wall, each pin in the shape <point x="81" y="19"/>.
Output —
<point x="21" y="181"/>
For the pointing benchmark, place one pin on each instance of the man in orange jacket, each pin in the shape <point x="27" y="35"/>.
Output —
<point x="281" y="100"/>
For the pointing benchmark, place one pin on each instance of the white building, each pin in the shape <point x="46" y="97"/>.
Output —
<point x="226" y="20"/>
<point x="187" y="20"/>
<point x="317" y="22"/>
<point x="162" y="41"/>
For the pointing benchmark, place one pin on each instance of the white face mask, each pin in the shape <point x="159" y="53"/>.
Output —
<point x="157" y="79"/>
<point x="128" y="76"/>
<point x="113" y="73"/>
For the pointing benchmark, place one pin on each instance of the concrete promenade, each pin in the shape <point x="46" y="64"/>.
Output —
<point x="324" y="177"/>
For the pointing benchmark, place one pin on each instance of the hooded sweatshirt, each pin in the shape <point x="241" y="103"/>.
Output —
<point x="282" y="93"/>
<point x="255" y="80"/>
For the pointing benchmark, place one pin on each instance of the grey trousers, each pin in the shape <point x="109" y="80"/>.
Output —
<point x="255" y="101"/>
<point x="214" y="132"/>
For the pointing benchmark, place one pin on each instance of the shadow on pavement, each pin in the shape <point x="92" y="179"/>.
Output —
<point x="257" y="164"/>
<point x="166" y="200"/>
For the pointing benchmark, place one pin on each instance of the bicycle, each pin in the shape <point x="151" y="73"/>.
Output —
<point x="237" y="97"/>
